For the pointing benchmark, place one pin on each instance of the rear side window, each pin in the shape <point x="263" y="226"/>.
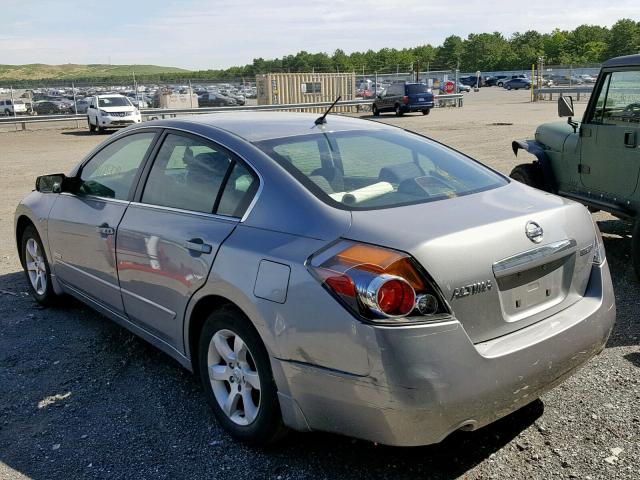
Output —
<point x="238" y="192"/>
<point x="374" y="169"/>
<point x="187" y="174"/>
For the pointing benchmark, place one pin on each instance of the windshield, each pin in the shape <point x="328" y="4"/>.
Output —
<point x="114" y="102"/>
<point x="416" y="88"/>
<point x="363" y="170"/>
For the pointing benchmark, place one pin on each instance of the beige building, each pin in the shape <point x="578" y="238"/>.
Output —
<point x="285" y="88"/>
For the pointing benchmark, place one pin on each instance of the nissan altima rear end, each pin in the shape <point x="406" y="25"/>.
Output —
<point x="344" y="276"/>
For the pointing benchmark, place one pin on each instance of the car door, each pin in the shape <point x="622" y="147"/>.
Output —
<point x="82" y="223"/>
<point x="610" y="158"/>
<point x="194" y="196"/>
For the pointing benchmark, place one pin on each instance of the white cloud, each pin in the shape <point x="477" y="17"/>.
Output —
<point x="196" y="34"/>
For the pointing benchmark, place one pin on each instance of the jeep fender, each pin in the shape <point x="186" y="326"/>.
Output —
<point x="543" y="162"/>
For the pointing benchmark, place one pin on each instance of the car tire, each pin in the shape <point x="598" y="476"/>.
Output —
<point x="227" y="336"/>
<point x="500" y="84"/>
<point x="7" y="112"/>
<point x="36" y="267"/>
<point x="98" y="127"/>
<point x="426" y="111"/>
<point x="398" y="111"/>
<point x="375" y="111"/>
<point x="92" y="127"/>
<point x="529" y="174"/>
<point x="635" y="248"/>
<point x="508" y="87"/>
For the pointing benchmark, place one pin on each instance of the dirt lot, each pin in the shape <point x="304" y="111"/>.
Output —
<point x="81" y="397"/>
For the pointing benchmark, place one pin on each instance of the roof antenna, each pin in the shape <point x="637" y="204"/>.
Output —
<point x="322" y="120"/>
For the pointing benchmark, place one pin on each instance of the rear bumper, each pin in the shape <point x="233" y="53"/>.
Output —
<point x="427" y="381"/>
<point x="417" y="107"/>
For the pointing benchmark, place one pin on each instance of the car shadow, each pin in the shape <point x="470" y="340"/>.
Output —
<point x="81" y="133"/>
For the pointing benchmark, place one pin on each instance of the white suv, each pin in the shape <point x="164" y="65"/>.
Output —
<point x="111" y="111"/>
<point x="7" y="107"/>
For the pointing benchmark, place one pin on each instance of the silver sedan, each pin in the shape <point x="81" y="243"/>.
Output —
<point x="344" y="276"/>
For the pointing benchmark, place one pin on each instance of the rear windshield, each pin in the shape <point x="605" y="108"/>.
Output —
<point x="416" y="88"/>
<point x="114" y="102"/>
<point x="365" y="170"/>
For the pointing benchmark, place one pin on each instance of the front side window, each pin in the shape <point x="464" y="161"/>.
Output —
<point x="622" y="104"/>
<point x="110" y="173"/>
<point x="188" y="174"/>
<point x="363" y="170"/>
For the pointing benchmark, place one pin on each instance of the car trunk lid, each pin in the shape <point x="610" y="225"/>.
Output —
<point x="496" y="279"/>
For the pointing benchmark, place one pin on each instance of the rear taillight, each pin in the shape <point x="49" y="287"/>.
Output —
<point x="599" y="255"/>
<point x="405" y="100"/>
<point x="377" y="284"/>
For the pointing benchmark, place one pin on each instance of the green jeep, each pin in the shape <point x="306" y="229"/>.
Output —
<point x="596" y="161"/>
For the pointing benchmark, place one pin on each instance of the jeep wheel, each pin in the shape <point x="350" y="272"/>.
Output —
<point x="375" y="111"/>
<point x="398" y="111"/>
<point x="529" y="174"/>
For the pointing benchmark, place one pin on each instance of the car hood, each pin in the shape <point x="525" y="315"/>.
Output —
<point x="464" y="241"/>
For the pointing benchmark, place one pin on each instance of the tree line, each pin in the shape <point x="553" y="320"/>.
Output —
<point x="586" y="44"/>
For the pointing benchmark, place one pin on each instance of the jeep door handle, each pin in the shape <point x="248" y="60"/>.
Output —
<point x="105" y="229"/>
<point x="630" y="139"/>
<point x="197" y="245"/>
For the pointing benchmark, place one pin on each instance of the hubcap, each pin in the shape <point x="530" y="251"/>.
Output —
<point x="234" y="377"/>
<point x="36" y="267"/>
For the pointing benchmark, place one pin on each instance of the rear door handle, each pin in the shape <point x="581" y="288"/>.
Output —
<point x="105" y="229"/>
<point x="630" y="139"/>
<point x="197" y="245"/>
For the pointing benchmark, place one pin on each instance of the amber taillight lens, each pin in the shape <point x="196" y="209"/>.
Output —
<point x="376" y="283"/>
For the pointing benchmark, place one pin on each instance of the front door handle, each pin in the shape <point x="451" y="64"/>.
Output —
<point x="197" y="245"/>
<point x="105" y="229"/>
<point x="629" y="139"/>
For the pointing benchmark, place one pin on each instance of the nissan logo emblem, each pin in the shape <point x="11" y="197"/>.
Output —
<point x="534" y="232"/>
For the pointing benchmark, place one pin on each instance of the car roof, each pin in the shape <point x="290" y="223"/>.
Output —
<point x="258" y="126"/>
<point x="625" y="61"/>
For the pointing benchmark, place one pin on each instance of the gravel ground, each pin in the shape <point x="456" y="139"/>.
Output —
<point x="82" y="398"/>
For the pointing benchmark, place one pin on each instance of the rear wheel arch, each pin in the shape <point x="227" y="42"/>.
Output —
<point x="199" y="314"/>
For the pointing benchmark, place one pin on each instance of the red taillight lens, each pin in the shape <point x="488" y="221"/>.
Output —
<point x="405" y="100"/>
<point x="375" y="282"/>
<point x="395" y="297"/>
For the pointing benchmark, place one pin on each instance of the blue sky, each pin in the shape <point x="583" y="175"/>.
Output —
<point x="216" y="34"/>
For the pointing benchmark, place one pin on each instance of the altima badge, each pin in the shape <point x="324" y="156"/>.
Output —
<point x="534" y="232"/>
<point x="473" y="289"/>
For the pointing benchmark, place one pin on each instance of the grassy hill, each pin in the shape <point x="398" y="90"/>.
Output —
<point x="70" y="71"/>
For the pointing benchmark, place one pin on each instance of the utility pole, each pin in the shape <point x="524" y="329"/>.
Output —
<point x="540" y="73"/>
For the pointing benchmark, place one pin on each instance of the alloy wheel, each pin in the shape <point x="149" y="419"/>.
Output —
<point x="36" y="267"/>
<point x="234" y="377"/>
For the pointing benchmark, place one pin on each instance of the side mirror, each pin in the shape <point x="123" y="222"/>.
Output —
<point x="50" y="183"/>
<point x="565" y="107"/>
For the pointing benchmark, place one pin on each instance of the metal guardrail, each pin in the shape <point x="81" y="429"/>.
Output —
<point x="148" y="113"/>
<point x="563" y="91"/>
